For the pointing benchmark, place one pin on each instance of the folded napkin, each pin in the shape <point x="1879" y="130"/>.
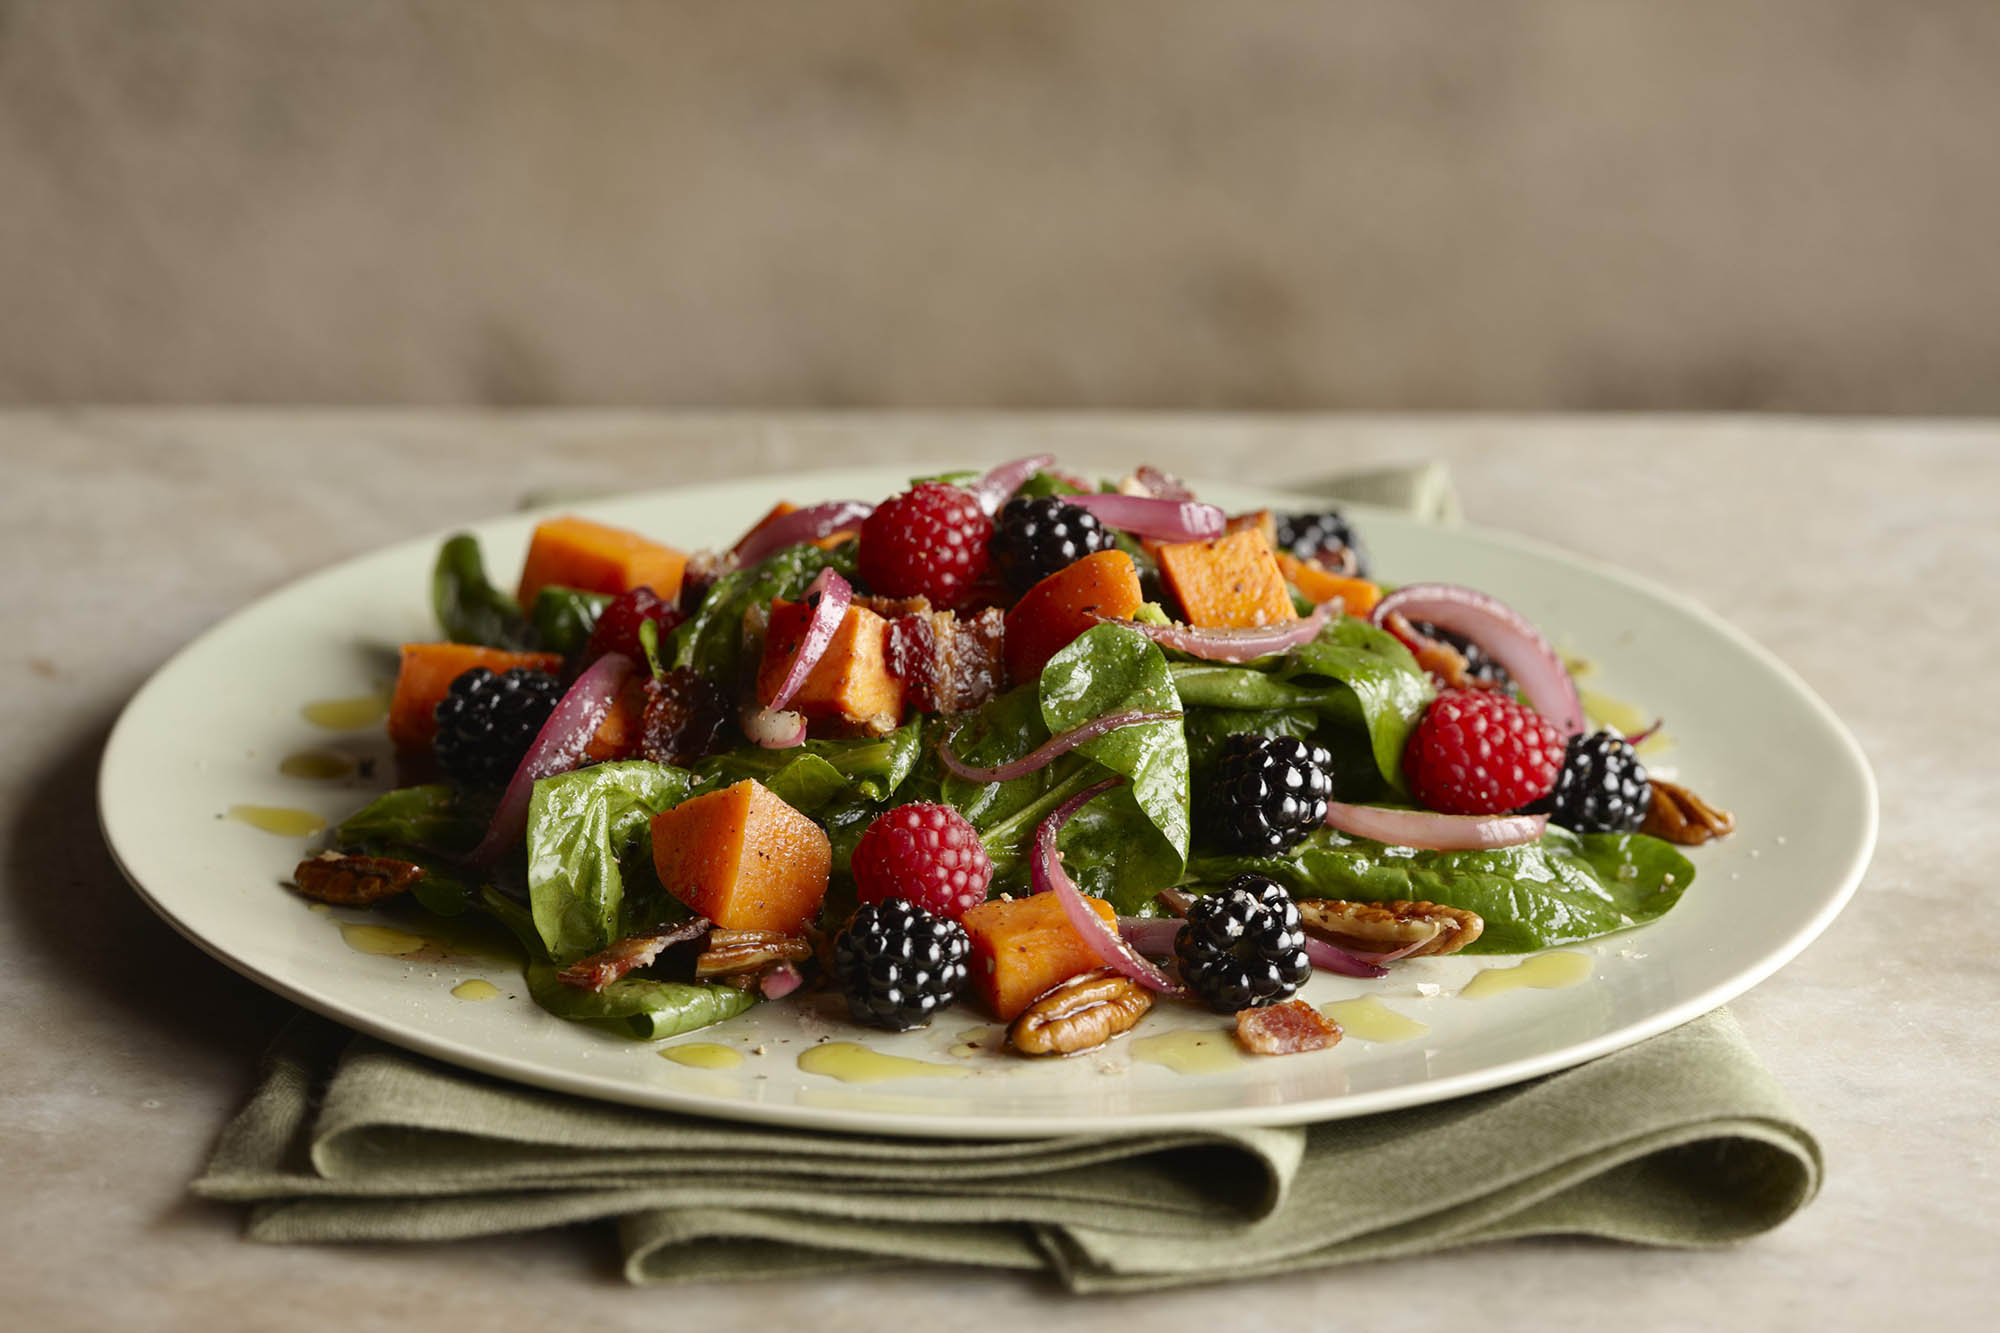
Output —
<point x="1680" y="1140"/>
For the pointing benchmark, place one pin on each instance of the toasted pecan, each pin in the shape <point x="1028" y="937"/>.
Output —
<point x="354" y="881"/>
<point x="1678" y="815"/>
<point x="1080" y="1014"/>
<point x="1388" y="926"/>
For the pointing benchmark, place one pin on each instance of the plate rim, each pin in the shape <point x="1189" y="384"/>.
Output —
<point x="931" y="1124"/>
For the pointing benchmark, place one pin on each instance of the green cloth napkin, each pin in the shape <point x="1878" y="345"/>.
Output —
<point x="1680" y="1140"/>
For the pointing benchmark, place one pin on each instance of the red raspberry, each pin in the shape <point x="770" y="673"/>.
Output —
<point x="930" y="541"/>
<point x="618" y="626"/>
<point x="926" y="853"/>
<point x="1477" y="752"/>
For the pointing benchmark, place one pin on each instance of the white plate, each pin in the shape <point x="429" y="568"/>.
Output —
<point x="209" y="730"/>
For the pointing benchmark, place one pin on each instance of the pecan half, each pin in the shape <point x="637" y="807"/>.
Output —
<point x="1384" y="927"/>
<point x="354" y="881"/>
<point x="1678" y="815"/>
<point x="1285" y="1029"/>
<point x="1084" y="1012"/>
<point x="736" y="951"/>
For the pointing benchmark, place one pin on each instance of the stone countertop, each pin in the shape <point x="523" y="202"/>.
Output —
<point x="1866" y="554"/>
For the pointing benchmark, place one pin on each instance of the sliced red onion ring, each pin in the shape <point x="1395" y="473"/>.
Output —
<point x="1640" y="738"/>
<point x="1162" y="485"/>
<point x="1047" y="752"/>
<point x="1048" y="875"/>
<point x="1392" y="955"/>
<point x="1507" y="638"/>
<point x="801" y="525"/>
<point x="1432" y="831"/>
<point x="774" y="729"/>
<point x="1151" y="935"/>
<point x="993" y="489"/>
<point x="1238" y="645"/>
<point x="828" y="595"/>
<point x="1149" y="516"/>
<point x="1333" y="958"/>
<point x="781" y="981"/>
<point x="557" y="748"/>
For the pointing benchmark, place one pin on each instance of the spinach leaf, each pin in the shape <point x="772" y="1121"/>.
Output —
<point x="581" y="825"/>
<point x="1566" y="888"/>
<point x="1128" y="843"/>
<point x="711" y="640"/>
<point x="1044" y="483"/>
<point x="564" y="617"/>
<point x="870" y="767"/>
<point x="1353" y="675"/>
<point x="430" y="826"/>
<point x="469" y="608"/>
<point x="638" y="1006"/>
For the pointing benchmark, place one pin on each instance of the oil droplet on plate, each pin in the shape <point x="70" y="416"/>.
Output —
<point x="1545" y="971"/>
<point x="279" y="819"/>
<point x="703" y="1055"/>
<point x="851" y="1062"/>
<point x="352" y="714"/>
<point x="320" y="765"/>
<point x="1192" y="1051"/>
<point x="475" y="989"/>
<point x="383" y="940"/>
<point x="1368" y="1019"/>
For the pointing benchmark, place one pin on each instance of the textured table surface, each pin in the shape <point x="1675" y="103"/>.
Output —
<point x="1866" y="554"/>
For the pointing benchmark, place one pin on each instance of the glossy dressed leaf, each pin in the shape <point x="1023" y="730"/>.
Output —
<point x="639" y="1007"/>
<point x="580" y="825"/>
<point x="711" y="640"/>
<point x="469" y="608"/>
<point x="872" y="767"/>
<point x="563" y="618"/>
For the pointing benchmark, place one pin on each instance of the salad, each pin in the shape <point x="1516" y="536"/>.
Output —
<point x="1059" y="750"/>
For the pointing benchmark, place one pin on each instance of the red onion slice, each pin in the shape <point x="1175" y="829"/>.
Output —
<point x="993" y="489"/>
<point x="1238" y="645"/>
<point x="1333" y="958"/>
<point x="1380" y="958"/>
<point x="1432" y="831"/>
<point x="1506" y="636"/>
<point x="1150" y="935"/>
<point x="828" y="595"/>
<point x="781" y="981"/>
<point x="1149" y="516"/>
<point x="801" y="525"/>
<point x="1162" y="485"/>
<point x="557" y="748"/>
<point x="1048" y="751"/>
<point x="1048" y="875"/>
<point x="774" y="729"/>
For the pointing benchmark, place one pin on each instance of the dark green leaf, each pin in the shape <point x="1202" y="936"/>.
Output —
<point x="469" y="608"/>
<point x="1561" y="890"/>
<point x="710" y="641"/>
<point x="564" y="617"/>
<point x="638" y="1006"/>
<point x="869" y="767"/>
<point x="580" y="824"/>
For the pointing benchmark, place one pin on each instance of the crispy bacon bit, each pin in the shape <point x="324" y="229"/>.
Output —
<point x="1285" y="1029"/>
<point x="354" y="881"/>
<point x="684" y="718"/>
<point x="892" y="608"/>
<point x="951" y="665"/>
<point x="736" y="951"/>
<point x="1433" y="655"/>
<point x="629" y="955"/>
<point x="1678" y="815"/>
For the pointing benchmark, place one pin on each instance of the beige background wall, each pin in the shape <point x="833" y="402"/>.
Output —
<point x="1598" y="204"/>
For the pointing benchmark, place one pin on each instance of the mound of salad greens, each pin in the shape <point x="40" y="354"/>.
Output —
<point x="584" y="875"/>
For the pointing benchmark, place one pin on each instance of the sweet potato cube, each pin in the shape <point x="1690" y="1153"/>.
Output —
<point x="425" y="677"/>
<point x="1229" y="582"/>
<point x="1023" y="946"/>
<point x="1062" y="606"/>
<point x="743" y="858"/>
<point x="851" y="680"/>
<point x="1320" y="584"/>
<point x="578" y="553"/>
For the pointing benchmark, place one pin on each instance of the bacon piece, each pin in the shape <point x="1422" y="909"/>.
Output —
<point x="354" y="881"/>
<point x="629" y="955"/>
<point x="951" y="665"/>
<point x="1285" y="1029"/>
<point x="684" y="718"/>
<point x="748" y="951"/>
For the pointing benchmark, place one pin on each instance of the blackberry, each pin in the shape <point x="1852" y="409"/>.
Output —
<point x="1478" y="665"/>
<point x="1037" y="537"/>
<point x="898" y="965"/>
<point x="1268" y="794"/>
<point x="1602" y="788"/>
<point x="485" y="723"/>
<point x="1307" y="535"/>
<point x="1243" y="947"/>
